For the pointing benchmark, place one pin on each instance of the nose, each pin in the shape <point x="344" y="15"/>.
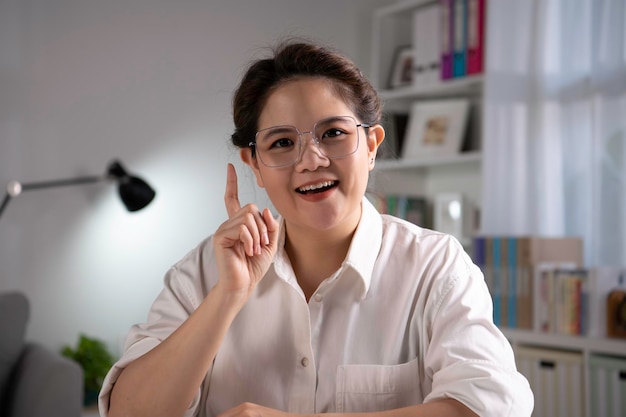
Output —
<point x="311" y="156"/>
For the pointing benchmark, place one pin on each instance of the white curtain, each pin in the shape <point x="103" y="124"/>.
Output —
<point x="555" y="123"/>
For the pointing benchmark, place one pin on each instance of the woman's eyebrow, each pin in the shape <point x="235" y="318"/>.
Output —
<point x="279" y="129"/>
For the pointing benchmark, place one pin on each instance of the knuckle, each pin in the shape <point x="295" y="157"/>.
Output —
<point x="250" y="217"/>
<point x="251" y="208"/>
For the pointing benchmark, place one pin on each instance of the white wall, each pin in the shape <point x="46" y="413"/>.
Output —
<point x="150" y="82"/>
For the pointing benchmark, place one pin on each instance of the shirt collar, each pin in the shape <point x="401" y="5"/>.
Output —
<point x="362" y="253"/>
<point x="365" y="245"/>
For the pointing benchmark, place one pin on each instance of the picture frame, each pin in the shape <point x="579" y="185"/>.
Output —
<point x="395" y="124"/>
<point x="402" y="67"/>
<point x="436" y="127"/>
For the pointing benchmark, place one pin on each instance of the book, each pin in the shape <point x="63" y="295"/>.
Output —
<point x="496" y="271"/>
<point x="478" y="251"/>
<point x="475" y="35"/>
<point x="569" y="301"/>
<point x="392" y="205"/>
<point x="459" y="56"/>
<point x="513" y="265"/>
<point x="446" y="13"/>
<point x="488" y="268"/>
<point x="416" y="211"/>
<point x="426" y="44"/>
<point x="543" y="296"/>
<point x="535" y="250"/>
<point x="408" y="207"/>
<point x="511" y="277"/>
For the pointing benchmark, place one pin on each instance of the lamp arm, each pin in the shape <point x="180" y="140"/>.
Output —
<point x="5" y="201"/>
<point x="14" y="189"/>
<point x="61" y="183"/>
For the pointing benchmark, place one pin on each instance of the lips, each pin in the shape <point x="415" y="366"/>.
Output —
<point x="317" y="187"/>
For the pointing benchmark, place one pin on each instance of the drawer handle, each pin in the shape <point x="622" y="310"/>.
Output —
<point x="622" y="375"/>
<point x="547" y="364"/>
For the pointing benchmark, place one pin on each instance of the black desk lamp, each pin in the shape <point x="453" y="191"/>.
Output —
<point x="134" y="192"/>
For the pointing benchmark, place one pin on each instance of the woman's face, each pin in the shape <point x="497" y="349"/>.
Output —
<point x="316" y="193"/>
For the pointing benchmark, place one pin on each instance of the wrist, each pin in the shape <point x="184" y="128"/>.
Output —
<point x="229" y="299"/>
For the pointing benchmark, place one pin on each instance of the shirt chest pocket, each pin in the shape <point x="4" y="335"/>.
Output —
<point x="363" y="388"/>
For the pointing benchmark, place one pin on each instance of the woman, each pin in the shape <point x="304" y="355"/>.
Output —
<point x="331" y="308"/>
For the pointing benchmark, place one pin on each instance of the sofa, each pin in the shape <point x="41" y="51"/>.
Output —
<point x="34" y="381"/>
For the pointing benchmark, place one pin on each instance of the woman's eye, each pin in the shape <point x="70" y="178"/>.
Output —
<point x="281" y="143"/>
<point x="332" y="133"/>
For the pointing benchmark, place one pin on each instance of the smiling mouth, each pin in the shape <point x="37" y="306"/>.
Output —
<point x="317" y="188"/>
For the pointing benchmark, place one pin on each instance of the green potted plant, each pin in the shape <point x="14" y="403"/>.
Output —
<point x="93" y="356"/>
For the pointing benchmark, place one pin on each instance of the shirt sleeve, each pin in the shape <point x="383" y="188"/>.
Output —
<point x="468" y="357"/>
<point x="184" y="289"/>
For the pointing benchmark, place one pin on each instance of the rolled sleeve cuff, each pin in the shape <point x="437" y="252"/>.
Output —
<point x="485" y="388"/>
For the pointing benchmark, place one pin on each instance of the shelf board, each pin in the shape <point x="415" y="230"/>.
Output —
<point x="465" y="86"/>
<point x="597" y="345"/>
<point x="428" y="161"/>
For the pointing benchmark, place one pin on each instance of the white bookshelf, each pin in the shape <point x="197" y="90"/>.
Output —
<point x="470" y="158"/>
<point x="554" y="349"/>
<point x="392" y="28"/>
<point x="434" y="174"/>
<point x="466" y="86"/>
<point x="585" y="345"/>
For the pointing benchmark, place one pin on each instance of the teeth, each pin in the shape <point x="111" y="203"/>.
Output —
<point x="316" y="186"/>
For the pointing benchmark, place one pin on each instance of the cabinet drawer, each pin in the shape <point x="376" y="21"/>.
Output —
<point x="556" y="378"/>
<point x="607" y="376"/>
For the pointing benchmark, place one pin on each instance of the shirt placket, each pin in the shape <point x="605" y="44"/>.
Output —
<point x="305" y="375"/>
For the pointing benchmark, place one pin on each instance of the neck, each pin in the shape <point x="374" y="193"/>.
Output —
<point x="316" y="255"/>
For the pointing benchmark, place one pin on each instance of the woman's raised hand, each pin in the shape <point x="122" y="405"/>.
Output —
<point x="244" y="244"/>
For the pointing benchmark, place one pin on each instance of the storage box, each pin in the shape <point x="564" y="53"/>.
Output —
<point x="556" y="378"/>
<point x="607" y="376"/>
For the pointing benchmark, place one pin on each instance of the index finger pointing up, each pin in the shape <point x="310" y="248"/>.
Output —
<point x="231" y="196"/>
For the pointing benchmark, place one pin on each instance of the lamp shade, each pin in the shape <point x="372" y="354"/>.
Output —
<point x="134" y="192"/>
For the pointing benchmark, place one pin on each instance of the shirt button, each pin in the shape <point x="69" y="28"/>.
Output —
<point x="304" y="362"/>
<point x="318" y="297"/>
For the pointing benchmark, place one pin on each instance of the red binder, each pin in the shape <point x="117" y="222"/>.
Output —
<point x="475" y="36"/>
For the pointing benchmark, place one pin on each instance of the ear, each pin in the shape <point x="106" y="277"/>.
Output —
<point x="375" y="136"/>
<point x="246" y="156"/>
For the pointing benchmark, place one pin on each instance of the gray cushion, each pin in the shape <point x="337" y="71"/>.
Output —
<point x="13" y="317"/>
<point x="45" y="384"/>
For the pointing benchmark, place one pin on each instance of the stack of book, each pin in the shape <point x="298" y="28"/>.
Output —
<point x="414" y="209"/>
<point x="573" y="301"/>
<point x="509" y="264"/>
<point x="457" y="48"/>
<point x="538" y="283"/>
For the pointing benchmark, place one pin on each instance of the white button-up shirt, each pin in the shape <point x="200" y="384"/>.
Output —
<point x="406" y="319"/>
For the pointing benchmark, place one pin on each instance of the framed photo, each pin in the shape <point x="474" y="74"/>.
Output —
<point x="402" y="67"/>
<point x="435" y="128"/>
<point x="395" y="129"/>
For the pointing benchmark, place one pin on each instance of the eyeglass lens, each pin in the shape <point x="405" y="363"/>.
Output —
<point x="335" y="137"/>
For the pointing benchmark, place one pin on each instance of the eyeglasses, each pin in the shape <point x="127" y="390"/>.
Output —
<point x="281" y="146"/>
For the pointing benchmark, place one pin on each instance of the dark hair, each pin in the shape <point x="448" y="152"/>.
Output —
<point x="293" y="60"/>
